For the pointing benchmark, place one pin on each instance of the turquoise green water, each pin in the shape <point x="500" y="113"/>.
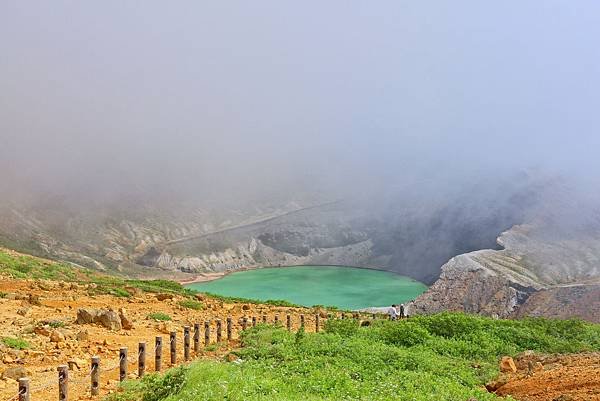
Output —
<point x="344" y="287"/>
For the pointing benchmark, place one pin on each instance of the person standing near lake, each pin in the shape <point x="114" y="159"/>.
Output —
<point x="392" y="312"/>
<point x="401" y="312"/>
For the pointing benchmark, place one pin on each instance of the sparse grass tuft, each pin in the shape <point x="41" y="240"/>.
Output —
<point x="16" y="343"/>
<point x="190" y="304"/>
<point x="159" y="316"/>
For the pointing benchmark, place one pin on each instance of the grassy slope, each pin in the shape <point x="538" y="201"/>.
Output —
<point x="20" y="266"/>
<point x="441" y="357"/>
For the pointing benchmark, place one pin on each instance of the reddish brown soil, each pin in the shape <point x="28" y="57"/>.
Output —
<point x="564" y="378"/>
<point x="60" y="301"/>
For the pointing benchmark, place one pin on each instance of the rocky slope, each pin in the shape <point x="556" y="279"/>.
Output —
<point x="46" y="323"/>
<point x="536" y="274"/>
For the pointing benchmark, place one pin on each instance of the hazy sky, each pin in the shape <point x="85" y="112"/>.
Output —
<point x="243" y="96"/>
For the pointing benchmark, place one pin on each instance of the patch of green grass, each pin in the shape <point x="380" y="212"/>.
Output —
<point x="159" y="316"/>
<point x="444" y="357"/>
<point x="55" y="324"/>
<point x="3" y="294"/>
<point x="274" y="302"/>
<point x="190" y="304"/>
<point x="16" y="343"/>
<point x="24" y="266"/>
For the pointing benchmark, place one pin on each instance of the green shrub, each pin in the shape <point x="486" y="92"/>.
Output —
<point x="158" y="387"/>
<point x="159" y="316"/>
<point x="342" y="327"/>
<point x="190" y="304"/>
<point x="274" y="302"/>
<point x="16" y="343"/>
<point x="401" y="360"/>
<point x="405" y="332"/>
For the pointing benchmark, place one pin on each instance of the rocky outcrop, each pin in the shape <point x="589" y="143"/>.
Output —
<point x="467" y="285"/>
<point x="535" y="275"/>
<point x="104" y="317"/>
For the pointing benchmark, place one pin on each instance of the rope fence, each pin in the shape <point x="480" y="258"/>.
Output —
<point x="64" y="380"/>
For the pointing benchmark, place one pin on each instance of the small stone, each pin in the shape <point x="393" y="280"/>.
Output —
<point x="126" y="322"/>
<point x="57" y="337"/>
<point x="538" y="367"/>
<point x="24" y="311"/>
<point x="42" y="330"/>
<point x="507" y="365"/>
<point x="164" y="297"/>
<point x="35" y="300"/>
<point x="15" y="373"/>
<point x="83" y="335"/>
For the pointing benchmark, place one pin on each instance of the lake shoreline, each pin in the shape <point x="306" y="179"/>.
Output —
<point x="341" y="286"/>
<point x="212" y="276"/>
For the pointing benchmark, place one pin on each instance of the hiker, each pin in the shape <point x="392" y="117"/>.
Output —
<point x="392" y="312"/>
<point x="402" y="311"/>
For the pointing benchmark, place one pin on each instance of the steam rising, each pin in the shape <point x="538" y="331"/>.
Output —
<point x="217" y="102"/>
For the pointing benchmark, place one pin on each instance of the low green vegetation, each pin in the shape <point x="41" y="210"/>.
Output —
<point x="190" y="304"/>
<point x="55" y="324"/>
<point x="274" y="302"/>
<point x="447" y="357"/>
<point x="159" y="317"/>
<point x="20" y="266"/>
<point x="16" y="343"/>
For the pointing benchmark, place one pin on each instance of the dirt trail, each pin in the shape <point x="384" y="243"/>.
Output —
<point x="59" y="302"/>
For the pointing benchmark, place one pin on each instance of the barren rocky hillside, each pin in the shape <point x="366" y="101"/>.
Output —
<point x="540" y="272"/>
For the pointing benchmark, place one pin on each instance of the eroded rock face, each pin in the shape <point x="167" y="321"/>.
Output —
<point x="553" y="275"/>
<point x="466" y="285"/>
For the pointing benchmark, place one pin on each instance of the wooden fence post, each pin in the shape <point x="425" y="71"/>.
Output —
<point x="289" y="322"/>
<point x="63" y="380"/>
<point x="219" y="330"/>
<point x="141" y="359"/>
<point x="122" y="363"/>
<point x="264" y="318"/>
<point x="24" y="389"/>
<point x="244" y="323"/>
<point x="197" y="338"/>
<point x="253" y="321"/>
<point x="229" y="329"/>
<point x="317" y="324"/>
<point x="302" y="321"/>
<point x="173" y="342"/>
<point x="276" y="321"/>
<point x="95" y="376"/>
<point x="206" y="332"/>
<point x="158" y="354"/>
<point x="186" y="343"/>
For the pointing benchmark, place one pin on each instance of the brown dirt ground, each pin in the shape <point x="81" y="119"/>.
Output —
<point x="60" y="301"/>
<point x="574" y="377"/>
